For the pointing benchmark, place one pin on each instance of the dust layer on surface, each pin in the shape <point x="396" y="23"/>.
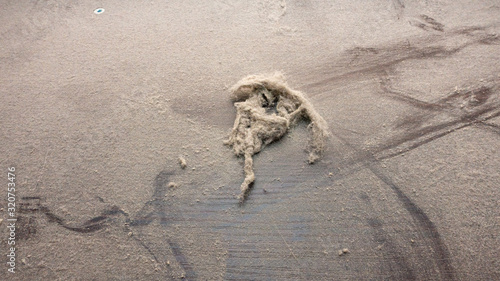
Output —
<point x="266" y="108"/>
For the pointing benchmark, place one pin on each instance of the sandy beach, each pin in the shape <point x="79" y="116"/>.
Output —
<point x="99" y="109"/>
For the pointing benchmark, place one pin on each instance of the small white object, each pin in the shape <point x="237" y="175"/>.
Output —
<point x="98" y="11"/>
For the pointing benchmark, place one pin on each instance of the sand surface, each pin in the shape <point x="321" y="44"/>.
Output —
<point x="97" y="109"/>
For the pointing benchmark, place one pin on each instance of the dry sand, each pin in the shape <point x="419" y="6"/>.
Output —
<point x="97" y="109"/>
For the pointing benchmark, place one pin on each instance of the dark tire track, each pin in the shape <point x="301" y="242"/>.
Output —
<point x="426" y="227"/>
<point x="154" y="209"/>
<point x="423" y="222"/>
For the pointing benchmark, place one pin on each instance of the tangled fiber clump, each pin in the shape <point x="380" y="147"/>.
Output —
<point x="266" y="107"/>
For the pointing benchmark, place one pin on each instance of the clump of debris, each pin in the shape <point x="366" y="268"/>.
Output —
<point x="266" y="108"/>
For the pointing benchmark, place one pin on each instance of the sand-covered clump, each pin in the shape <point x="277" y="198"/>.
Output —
<point x="266" y="109"/>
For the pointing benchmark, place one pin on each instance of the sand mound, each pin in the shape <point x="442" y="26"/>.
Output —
<point x="266" y="108"/>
